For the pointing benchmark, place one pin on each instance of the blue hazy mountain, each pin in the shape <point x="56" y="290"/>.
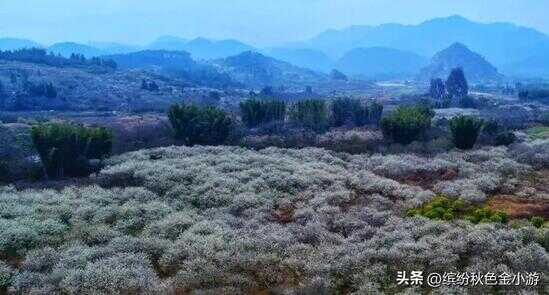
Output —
<point x="380" y="62"/>
<point x="16" y="43"/>
<point x="201" y="48"/>
<point x="168" y="43"/>
<point x="155" y="59"/>
<point x="500" y="43"/>
<point x="114" y="48"/>
<point x="303" y="57"/>
<point x="67" y="48"/>
<point x="475" y="67"/>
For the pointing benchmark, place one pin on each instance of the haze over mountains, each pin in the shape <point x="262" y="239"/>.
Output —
<point x="380" y="62"/>
<point x="388" y="50"/>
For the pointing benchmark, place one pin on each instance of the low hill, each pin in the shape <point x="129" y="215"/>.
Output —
<point x="257" y="70"/>
<point x="115" y="48"/>
<point x="15" y="43"/>
<point x="82" y="88"/>
<point x="380" y="62"/>
<point x="154" y="59"/>
<point x="67" y="48"/>
<point x="476" y="68"/>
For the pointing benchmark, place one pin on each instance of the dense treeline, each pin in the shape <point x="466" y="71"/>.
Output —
<point x="311" y="114"/>
<point x="41" y="56"/>
<point x="314" y="114"/>
<point x="256" y="112"/>
<point x="347" y="111"/>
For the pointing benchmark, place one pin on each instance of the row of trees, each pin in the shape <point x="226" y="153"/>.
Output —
<point x="312" y="114"/>
<point x="409" y="123"/>
<point x="66" y="149"/>
<point x="211" y="126"/>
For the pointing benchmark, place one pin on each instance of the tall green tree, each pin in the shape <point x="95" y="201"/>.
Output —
<point x="375" y="111"/>
<point x="199" y="125"/>
<point x="465" y="131"/>
<point x="311" y="114"/>
<point x="255" y="112"/>
<point x="406" y="124"/>
<point x="437" y="90"/>
<point x="65" y="149"/>
<point x="345" y="110"/>
<point x="456" y="84"/>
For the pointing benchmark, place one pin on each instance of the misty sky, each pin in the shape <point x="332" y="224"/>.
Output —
<point x="259" y="22"/>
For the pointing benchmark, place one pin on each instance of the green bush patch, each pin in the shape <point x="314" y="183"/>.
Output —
<point x="444" y="208"/>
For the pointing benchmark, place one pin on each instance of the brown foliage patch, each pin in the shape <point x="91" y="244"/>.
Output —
<point x="519" y="208"/>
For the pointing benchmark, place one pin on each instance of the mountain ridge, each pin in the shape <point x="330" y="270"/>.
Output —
<point x="474" y="65"/>
<point x="498" y="42"/>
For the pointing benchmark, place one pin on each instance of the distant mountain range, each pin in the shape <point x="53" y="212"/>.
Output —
<point x="475" y="67"/>
<point x="501" y="43"/>
<point x="386" y="50"/>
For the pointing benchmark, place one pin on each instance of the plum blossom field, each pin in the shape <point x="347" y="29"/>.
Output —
<point x="229" y="220"/>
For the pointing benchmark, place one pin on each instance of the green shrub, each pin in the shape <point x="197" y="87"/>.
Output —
<point x="255" y="112"/>
<point x="467" y="102"/>
<point x="4" y="172"/>
<point x="311" y="114"/>
<point x="505" y="138"/>
<point x="199" y="125"/>
<point x="444" y="208"/>
<point x="65" y="149"/>
<point x="406" y="124"/>
<point x="465" y="131"/>
<point x="537" y="221"/>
